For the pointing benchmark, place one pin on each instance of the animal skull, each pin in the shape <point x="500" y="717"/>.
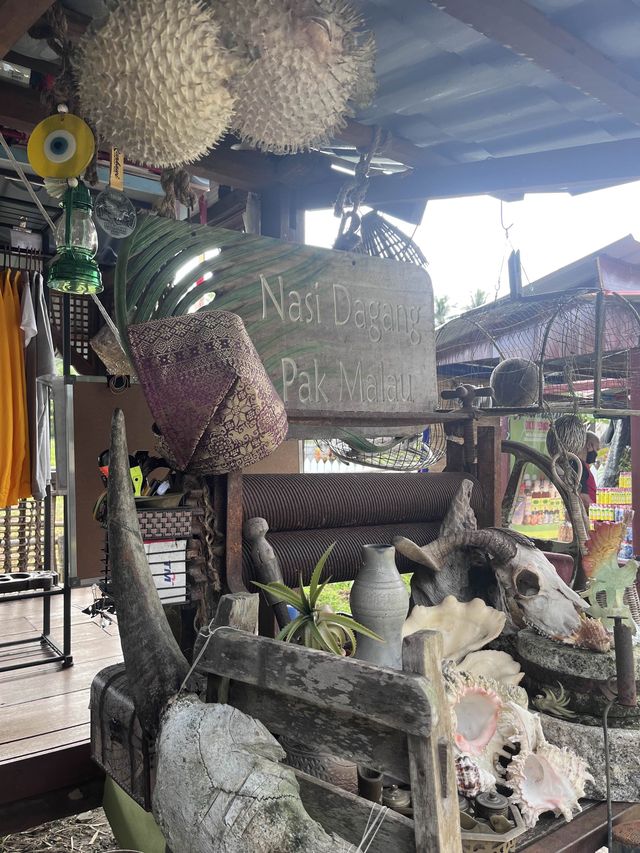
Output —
<point x="528" y="588"/>
<point x="220" y="785"/>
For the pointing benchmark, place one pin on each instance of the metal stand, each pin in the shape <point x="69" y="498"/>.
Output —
<point x="60" y="655"/>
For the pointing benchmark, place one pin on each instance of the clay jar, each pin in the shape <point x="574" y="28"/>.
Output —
<point x="380" y="601"/>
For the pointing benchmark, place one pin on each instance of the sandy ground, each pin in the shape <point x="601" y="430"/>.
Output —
<point x="88" y="832"/>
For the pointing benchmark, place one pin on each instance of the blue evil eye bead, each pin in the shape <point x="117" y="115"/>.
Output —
<point x="61" y="146"/>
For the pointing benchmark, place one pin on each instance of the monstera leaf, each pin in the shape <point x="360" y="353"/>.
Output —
<point x="603" y="544"/>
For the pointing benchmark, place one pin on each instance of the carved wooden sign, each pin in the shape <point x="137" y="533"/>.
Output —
<point x="339" y="333"/>
<point x="354" y="336"/>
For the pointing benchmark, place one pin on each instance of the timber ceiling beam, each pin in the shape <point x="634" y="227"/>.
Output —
<point x="526" y="31"/>
<point x="16" y="16"/>
<point x="20" y="107"/>
<point x="576" y="169"/>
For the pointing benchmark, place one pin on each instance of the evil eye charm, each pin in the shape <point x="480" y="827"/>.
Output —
<point x="61" y="146"/>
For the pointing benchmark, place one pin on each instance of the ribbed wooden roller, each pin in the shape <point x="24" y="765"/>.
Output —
<point x="307" y="512"/>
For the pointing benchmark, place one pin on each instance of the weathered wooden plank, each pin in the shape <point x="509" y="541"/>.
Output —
<point x="50" y="715"/>
<point x="40" y="683"/>
<point x="433" y="780"/>
<point x="43" y="745"/>
<point x="347" y="814"/>
<point x="17" y="17"/>
<point x="356" y="738"/>
<point x="236" y="610"/>
<point x="489" y="454"/>
<point x="399" y="700"/>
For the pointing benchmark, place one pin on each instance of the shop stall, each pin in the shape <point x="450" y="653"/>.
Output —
<point x="481" y="690"/>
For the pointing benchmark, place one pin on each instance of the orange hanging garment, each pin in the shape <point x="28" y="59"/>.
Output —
<point x="20" y="486"/>
<point x="6" y="391"/>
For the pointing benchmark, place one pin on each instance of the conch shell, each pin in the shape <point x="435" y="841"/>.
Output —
<point x="499" y="666"/>
<point x="471" y="778"/>
<point x="549" y="779"/>
<point x="465" y="625"/>
<point x="592" y="635"/>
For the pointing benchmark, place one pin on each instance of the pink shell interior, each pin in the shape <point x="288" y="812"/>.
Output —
<point x="476" y="719"/>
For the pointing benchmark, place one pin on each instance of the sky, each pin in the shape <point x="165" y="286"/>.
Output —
<point x="465" y="244"/>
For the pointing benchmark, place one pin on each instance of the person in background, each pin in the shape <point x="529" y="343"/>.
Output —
<point x="588" y="456"/>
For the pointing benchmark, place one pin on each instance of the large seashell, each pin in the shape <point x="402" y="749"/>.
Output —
<point x="549" y="779"/>
<point x="499" y="666"/>
<point x="475" y="713"/>
<point x="465" y="625"/>
<point x="591" y="635"/>
<point x="471" y="778"/>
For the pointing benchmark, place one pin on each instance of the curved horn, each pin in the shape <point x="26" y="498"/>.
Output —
<point x="500" y="544"/>
<point x="155" y="665"/>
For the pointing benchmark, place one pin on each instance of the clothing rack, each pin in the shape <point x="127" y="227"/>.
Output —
<point x="52" y="652"/>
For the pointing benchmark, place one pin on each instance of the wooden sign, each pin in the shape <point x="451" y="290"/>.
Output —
<point x="339" y="333"/>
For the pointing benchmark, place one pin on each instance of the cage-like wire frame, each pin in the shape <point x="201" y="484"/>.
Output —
<point x="585" y="345"/>
<point x="409" y="453"/>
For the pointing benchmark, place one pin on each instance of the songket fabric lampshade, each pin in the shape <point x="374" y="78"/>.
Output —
<point x="215" y="408"/>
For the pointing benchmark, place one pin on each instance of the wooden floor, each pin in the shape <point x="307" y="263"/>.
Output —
<point x="44" y="709"/>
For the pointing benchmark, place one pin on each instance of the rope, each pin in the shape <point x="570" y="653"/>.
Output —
<point x="208" y="633"/>
<point x="211" y="539"/>
<point x="176" y="183"/>
<point x="372" y="828"/>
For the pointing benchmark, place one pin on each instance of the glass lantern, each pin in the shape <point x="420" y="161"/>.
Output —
<point x="74" y="269"/>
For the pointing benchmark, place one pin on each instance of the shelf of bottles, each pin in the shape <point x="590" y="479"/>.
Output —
<point x="615" y="505"/>
<point x="539" y="510"/>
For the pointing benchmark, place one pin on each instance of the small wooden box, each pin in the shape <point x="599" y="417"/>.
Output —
<point x="117" y="742"/>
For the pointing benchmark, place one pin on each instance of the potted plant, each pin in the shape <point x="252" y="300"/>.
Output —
<point x="316" y="626"/>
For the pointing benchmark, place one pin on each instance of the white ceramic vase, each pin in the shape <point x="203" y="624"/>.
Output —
<point x="380" y="601"/>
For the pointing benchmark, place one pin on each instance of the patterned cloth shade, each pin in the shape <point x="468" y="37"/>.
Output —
<point x="215" y="407"/>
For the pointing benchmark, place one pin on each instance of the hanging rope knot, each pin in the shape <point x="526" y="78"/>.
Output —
<point x="176" y="184"/>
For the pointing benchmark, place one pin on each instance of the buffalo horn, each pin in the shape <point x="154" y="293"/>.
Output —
<point x="154" y="663"/>
<point x="500" y="545"/>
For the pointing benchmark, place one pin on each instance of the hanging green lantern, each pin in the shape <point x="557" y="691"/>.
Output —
<point x="74" y="268"/>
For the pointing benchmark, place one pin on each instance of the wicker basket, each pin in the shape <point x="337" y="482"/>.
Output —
<point x="165" y="523"/>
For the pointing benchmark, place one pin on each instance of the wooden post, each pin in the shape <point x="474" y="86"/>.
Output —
<point x="433" y="780"/>
<point x="489" y="473"/>
<point x="233" y="532"/>
<point x="634" y="377"/>
<point x="281" y="217"/>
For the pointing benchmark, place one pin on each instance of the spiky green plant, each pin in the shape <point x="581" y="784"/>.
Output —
<point x="316" y="626"/>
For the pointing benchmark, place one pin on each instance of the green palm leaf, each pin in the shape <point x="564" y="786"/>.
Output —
<point x="317" y="572"/>
<point x="349" y="622"/>
<point x="288" y="632"/>
<point x="281" y="593"/>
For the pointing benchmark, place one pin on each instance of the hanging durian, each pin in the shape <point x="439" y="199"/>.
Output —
<point x="153" y="79"/>
<point x="311" y="65"/>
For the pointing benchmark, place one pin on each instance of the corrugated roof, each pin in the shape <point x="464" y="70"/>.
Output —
<point x="450" y="89"/>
